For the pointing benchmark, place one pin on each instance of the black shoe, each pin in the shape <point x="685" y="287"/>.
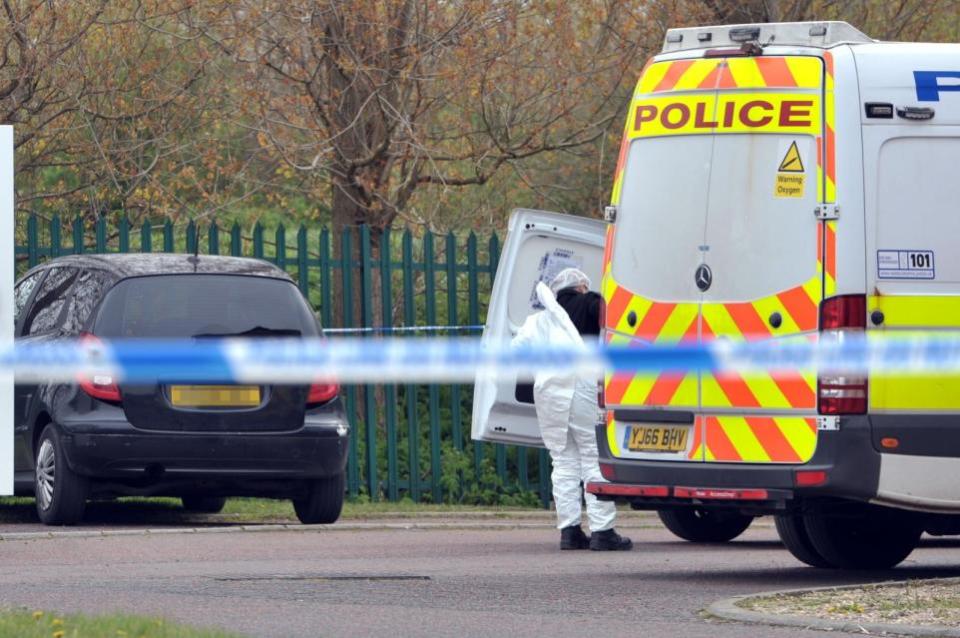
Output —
<point x="609" y="541"/>
<point x="573" y="538"/>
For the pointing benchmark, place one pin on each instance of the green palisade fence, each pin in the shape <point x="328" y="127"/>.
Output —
<point x="409" y="441"/>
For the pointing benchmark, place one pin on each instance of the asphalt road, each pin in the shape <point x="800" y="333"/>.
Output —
<point x="451" y="577"/>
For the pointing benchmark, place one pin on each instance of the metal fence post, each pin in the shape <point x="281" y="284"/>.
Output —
<point x="213" y="239"/>
<point x="430" y="297"/>
<point x="410" y="391"/>
<point x="123" y="232"/>
<point x="258" y="241"/>
<point x="55" y="247"/>
<point x="303" y="274"/>
<point x="325" y="293"/>
<point x="192" y="239"/>
<point x="100" y="234"/>
<point x="168" y="236"/>
<point x="146" y="237"/>
<point x="346" y="274"/>
<point x="236" y="240"/>
<point x="280" y="255"/>
<point x="78" y="236"/>
<point x="32" y="238"/>
<point x="473" y="316"/>
<point x="369" y="400"/>
<point x="389" y="391"/>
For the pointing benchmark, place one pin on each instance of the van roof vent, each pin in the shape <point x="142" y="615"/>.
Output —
<point x="811" y="34"/>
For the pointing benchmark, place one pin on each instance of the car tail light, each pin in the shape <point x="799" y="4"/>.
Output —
<point x="809" y="478"/>
<point x="607" y="471"/>
<point x="322" y="393"/>
<point x="842" y="393"/>
<point x="98" y="385"/>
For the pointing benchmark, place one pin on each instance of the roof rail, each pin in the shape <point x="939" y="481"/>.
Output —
<point x="812" y="34"/>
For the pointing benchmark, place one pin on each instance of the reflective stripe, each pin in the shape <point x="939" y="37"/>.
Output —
<point x="915" y="393"/>
<point x="760" y="439"/>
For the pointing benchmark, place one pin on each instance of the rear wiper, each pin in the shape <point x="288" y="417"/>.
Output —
<point x="258" y="331"/>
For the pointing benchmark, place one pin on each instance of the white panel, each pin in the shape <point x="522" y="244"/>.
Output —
<point x="926" y="483"/>
<point x="917" y="221"/>
<point x="6" y="305"/>
<point x="661" y="217"/>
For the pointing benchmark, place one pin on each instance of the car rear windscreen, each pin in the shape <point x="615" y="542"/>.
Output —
<point x="171" y="306"/>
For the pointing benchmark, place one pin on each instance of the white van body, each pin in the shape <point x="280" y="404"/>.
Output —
<point x="777" y="181"/>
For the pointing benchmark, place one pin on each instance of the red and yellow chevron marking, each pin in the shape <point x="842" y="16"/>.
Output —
<point x="756" y="439"/>
<point x="709" y="74"/>
<point x="743" y="439"/>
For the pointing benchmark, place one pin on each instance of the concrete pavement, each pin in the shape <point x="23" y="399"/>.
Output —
<point x="463" y="579"/>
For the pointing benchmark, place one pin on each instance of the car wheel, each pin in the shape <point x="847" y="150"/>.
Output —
<point x="323" y="502"/>
<point x="204" y="504"/>
<point x="877" y="538"/>
<point x="794" y="535"/>
<point x="705" y="526"/>
<point x="61" y="494"/>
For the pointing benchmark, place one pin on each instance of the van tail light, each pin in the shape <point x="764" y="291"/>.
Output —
<point x="98" y="385"/>
<point x="840" y="393"/>
<point x="322" y="393"/>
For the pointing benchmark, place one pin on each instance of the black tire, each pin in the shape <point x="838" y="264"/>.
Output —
<point x="704" y="525"/>
<point x="793" y="533"/>
<point x="873" y="538"/>
<point x="203" y="504"/>
<point x="323" y="502"/>
<point x="61" y="494"/>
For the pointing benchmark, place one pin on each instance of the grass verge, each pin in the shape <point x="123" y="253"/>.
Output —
<point x="935" y="602"/>
<point x="42" y="624"/>
<point x="168" y="511"/>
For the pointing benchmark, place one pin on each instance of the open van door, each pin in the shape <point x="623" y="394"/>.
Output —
<point x="539" y="245"/>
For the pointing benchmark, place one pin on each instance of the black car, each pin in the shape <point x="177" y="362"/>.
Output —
<point x="202" y="443"/>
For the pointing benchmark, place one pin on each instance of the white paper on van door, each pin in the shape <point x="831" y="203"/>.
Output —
<point x="905" y="264"/>
<point x="550" y="265"/>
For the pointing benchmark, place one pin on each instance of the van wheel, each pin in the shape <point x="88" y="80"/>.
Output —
<point x="203" y="504"/>
<point x="705" y="526"/>
<point x="61" y="494"/>
<point x="877" y="539"/>
<point x="323" y="502"/>
<point x="794" y="535"/>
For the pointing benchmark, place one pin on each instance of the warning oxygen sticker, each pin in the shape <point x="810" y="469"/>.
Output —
<point x="791" y="177"/>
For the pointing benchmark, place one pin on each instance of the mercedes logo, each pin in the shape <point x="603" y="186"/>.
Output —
<point x="703" y="277"/>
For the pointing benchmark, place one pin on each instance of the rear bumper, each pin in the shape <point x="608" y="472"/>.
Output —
<point x="846" y="456"/>
<point x="117" y="450"/>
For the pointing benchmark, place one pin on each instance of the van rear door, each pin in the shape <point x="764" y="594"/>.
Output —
<point x="763" y="246"/>
<point x="539" y="244"/>
<point x="723" y="171"/>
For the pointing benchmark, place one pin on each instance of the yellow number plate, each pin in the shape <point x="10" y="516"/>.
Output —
<point x="215" y="396"/>
<point x="657" y="438"/>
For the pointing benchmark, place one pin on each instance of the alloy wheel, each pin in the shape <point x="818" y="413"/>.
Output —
<point x="46" y="471"/>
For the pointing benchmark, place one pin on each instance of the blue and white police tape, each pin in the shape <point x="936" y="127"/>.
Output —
<point x="444" y="360"/>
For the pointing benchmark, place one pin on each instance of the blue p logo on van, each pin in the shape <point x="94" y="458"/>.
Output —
<point x="929" y="84"/>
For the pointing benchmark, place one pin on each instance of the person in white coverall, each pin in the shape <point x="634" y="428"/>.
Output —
<point x="567" y="412"/>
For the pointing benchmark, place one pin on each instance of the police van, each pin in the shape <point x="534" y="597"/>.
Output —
<point x="792" y="181"/>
